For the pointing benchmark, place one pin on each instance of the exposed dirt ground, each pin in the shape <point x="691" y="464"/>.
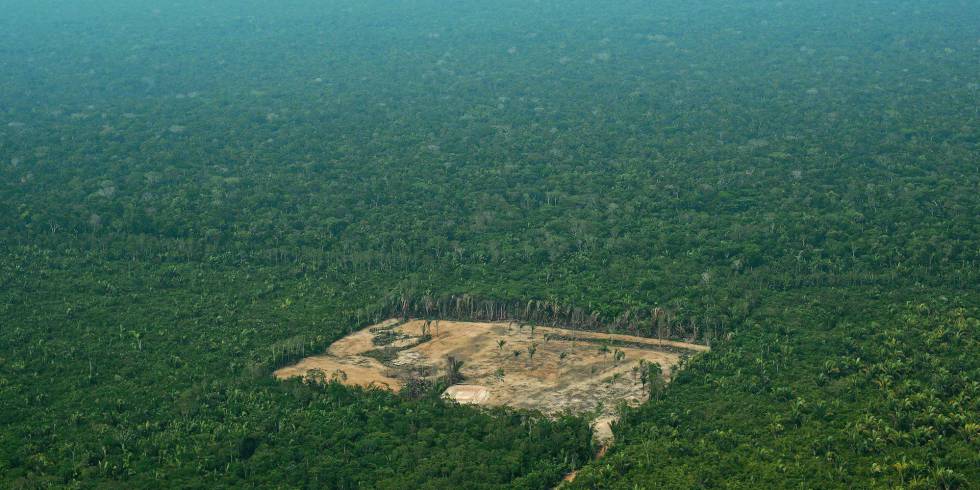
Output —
<point x="590" y="378"/>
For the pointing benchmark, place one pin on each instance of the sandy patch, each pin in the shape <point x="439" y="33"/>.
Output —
<point x="360" y="372"/>
<point x="602" y="428"/>
<point x="468" y="394"/>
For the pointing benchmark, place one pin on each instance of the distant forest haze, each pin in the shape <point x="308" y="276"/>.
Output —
<point x="195" y="194"/>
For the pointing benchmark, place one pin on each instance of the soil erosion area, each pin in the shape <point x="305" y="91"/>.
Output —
<point x="542" y="368"/>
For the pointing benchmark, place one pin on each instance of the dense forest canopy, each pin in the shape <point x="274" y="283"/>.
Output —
<point x="192" y="194"/>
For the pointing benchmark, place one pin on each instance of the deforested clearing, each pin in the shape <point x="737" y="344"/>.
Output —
<point x="502" y="364"/>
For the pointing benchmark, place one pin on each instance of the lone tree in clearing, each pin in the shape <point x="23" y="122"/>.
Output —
<point x="517" y="354"/>
<point x="619" y="355"/>
<point x="561" y="359"/>
<point x="531" y="349"/>
<point x="453" y="366"/>
<point x="500" y="344"/>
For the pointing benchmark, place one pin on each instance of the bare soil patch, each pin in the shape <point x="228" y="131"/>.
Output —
<point x="468" y="394"/>
<point x="570" y="370"/>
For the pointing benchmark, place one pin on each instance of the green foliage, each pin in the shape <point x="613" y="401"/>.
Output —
<point x="902" y="413"/>
<point x="194" y="196"/>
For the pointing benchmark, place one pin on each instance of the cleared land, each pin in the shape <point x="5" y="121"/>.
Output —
<point x="569" y="370"/>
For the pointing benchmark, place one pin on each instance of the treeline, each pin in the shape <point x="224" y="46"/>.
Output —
<point x="655" y="322"/>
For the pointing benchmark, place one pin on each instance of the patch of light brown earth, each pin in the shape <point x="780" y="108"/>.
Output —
<point x="589" y="378"/>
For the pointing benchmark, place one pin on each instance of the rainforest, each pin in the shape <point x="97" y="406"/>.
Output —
<point x="399" y="244"/>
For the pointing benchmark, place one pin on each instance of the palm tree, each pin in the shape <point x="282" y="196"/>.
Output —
<point x="500" y="344"/>
<point x="660" y="322"/>
<point x="561" y="359"/>
<point x="139" y="339"/>
<point x="453" y="366"/>
<point x="901" y="467"/>
<point x="531" y="349"/>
